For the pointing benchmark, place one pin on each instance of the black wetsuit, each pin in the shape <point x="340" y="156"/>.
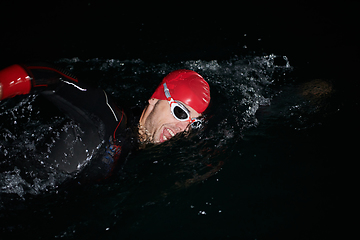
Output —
<point x="98" y="140"/>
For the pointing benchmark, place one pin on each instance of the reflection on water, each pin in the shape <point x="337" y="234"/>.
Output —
<point x="255" y="99"/>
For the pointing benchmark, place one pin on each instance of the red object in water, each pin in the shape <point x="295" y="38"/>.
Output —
<point x="14" y="80"/>
<point x="186" y="86"/>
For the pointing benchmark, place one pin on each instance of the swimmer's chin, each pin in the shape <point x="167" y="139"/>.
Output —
<point x="152" y="141"/>
<point x="160" y="140"/>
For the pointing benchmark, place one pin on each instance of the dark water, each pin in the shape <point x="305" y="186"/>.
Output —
<point x="262" y="166"/>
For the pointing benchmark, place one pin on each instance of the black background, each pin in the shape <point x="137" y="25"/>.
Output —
<point x="305" y="31"/>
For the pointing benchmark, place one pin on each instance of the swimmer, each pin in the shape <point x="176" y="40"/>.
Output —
<point x="101" y="128"/>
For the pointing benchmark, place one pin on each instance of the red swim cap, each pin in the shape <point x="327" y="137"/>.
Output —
<point x="186" y="86"/>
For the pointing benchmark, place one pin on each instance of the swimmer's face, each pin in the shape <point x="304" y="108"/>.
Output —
<point x="160" y="123"/>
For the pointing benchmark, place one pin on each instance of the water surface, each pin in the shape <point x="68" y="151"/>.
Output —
<point x="259" y="166"/>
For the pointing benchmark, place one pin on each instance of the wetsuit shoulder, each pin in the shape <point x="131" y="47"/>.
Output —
<point x="96" y="122"/>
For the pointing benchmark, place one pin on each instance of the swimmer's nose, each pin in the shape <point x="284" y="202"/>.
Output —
<point x="181" y="126"/>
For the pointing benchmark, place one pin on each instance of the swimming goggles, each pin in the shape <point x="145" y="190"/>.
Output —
<point x="179" y="111"/>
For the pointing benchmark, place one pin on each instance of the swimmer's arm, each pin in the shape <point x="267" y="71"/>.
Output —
<point x="14" y="80"/>
<point x="75" y="99"/>
<point x="22" y="79"/>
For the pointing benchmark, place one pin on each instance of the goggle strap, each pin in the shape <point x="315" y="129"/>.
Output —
<point x="167" y="92"/>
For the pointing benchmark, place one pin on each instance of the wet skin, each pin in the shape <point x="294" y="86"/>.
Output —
<point x="160" y="123"/>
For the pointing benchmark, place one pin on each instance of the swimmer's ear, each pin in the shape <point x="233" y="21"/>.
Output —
<point x="153" y="101"/>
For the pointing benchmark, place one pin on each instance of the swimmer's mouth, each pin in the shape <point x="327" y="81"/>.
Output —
<point x="166" y="134"/>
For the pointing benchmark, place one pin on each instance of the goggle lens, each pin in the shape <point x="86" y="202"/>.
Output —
<point x="180" y="113"/>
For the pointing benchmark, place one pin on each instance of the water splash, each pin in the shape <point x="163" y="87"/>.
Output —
<point x="239" y="86"/>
